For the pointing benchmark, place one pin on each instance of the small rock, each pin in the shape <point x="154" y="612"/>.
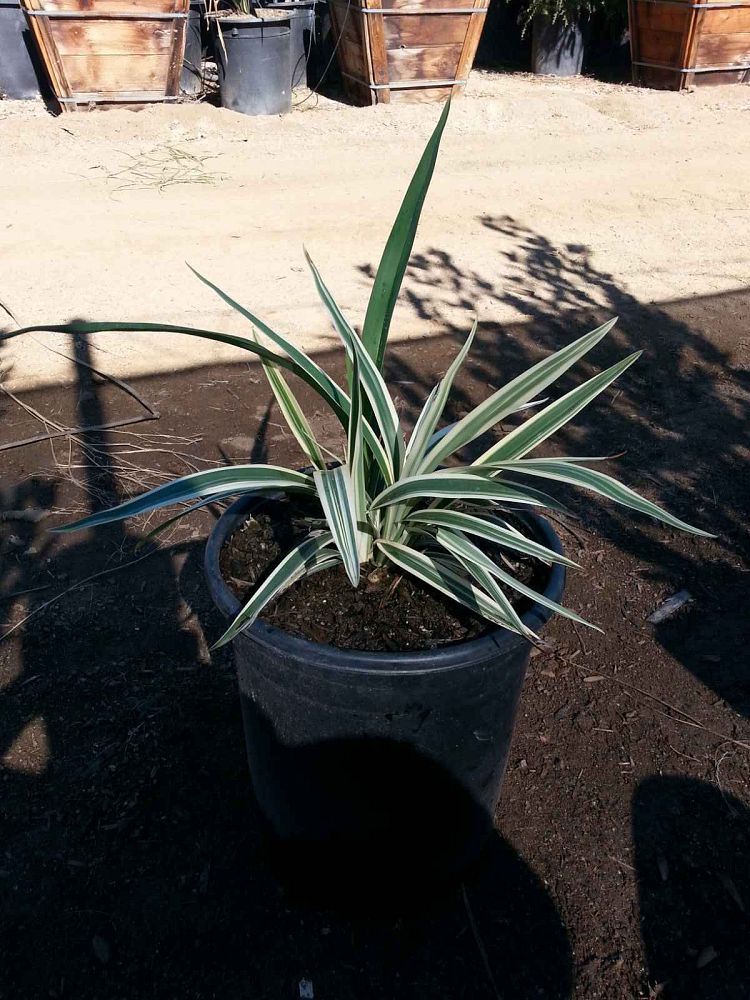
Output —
<point x="708" y="954"/>
<point x="669" y="608"/>
<point x="101" y="948"/>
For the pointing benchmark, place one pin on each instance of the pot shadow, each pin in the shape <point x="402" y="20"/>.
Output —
<point x="692" y="843"/>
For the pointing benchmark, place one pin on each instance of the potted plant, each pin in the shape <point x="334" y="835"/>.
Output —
<point x="253" y="49"/>
<point x="556" y="34"/>
<point x="18" y="70"/>
<point x="382" y="604"/>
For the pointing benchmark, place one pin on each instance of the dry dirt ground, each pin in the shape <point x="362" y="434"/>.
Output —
<point x="648" y="187"/>
<point x="131" y="860"/>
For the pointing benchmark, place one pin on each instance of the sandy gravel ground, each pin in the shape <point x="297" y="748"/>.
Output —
<point x="100" y="211"/>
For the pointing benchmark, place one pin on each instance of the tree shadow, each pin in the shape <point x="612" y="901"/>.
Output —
<point x="691" y="856"/>
<point x="679" y="417"/>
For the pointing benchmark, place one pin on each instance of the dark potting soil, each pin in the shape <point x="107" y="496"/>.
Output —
<point x="388" y="611"/>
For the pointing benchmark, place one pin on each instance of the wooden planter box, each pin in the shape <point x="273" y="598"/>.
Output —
<point x="110" y="52"/>
<point x="406" y="50"/>
<point x="676" y="44"/>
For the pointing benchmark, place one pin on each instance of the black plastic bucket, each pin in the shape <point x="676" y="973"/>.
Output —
<point x="556" y="48"/>
<point x="254" y="63"/>
<point x="302" y="20"/>
<point x="191" y="78"/>
<point x="376" y="772"/>
<point x="18" y="77"/>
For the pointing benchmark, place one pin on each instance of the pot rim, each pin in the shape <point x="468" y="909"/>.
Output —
<point x="449" y="656"/>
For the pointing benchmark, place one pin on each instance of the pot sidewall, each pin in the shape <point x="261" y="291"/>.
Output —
<point x="377" y="764"/>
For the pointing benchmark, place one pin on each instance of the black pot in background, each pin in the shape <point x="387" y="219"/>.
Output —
<point x="377" y="773"/>
<point x="556" y="47"/>
<point x="191" y="79"/>
<point x="302" y="20"/>
<point x="18" y="59"/>
<point x="254" y="64"/>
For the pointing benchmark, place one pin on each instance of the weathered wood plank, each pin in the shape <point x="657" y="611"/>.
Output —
<point x="111" y="74"/>
<point x="119" y="38"/>
<point x="425" y="29"/>
<point x="422" y="63"/>
<point x="723" y="50"/>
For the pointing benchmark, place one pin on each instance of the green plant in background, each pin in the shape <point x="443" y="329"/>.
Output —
<point x="386" y="502"/>
<point x="614" y="12"/>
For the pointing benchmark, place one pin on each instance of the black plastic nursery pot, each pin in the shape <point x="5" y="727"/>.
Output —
<point x="301" y="14"/>
<point x="18" y="76"/>
<point x="191" y="78"/>
<point x="556" y="47"/>
<point x="254" y="60"/>
<point x="376" y="772"/>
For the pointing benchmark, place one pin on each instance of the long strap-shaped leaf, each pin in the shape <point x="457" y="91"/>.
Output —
<point x="307" y="369"/>
<point x="311" y="555"/>
<point x="518" y="391"/>
<point x="433" y="411"/>
<point x="460" y="546"/>
<point x="356" y="464"/>
<point x="336" y="493"/>
<point x="373" y="383"/>
<point x="598" y="482"/>
<point x="178" y="517"/>
<point x="444" y="579"/>
<point x="395" y="257"/>
<point x="458" y="485"/>
<point x="227" y="480"/>
<point x="489" y="530"/>
<point x="490" y="586"/>
<point x="543" y="424"/>
<point x="292" y="413"/>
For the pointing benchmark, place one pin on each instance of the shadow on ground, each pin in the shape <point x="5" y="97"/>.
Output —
<point x="131" y="858"/>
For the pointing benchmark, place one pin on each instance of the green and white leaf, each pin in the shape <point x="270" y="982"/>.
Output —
<point x="395" y="257"/>
<point x="462" y="548"/>
<point x="543" y="424"/>
<point x="292" y="413"/>
<point x="336" y="494"/>
<point x="490" y="530"/>
<point x="227" y="480"/>
<point x="454" y="544"/>
<point x="450" y="484"/>
<point x="444" y="579"/>
<point x="598" y="482"/>
<point x="312" y="553"/>
<point x="512" y="396"/>
<point x="432" y="411"/>
<point x="373" y="383"/>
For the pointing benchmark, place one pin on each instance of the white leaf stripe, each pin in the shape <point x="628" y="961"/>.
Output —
<point x="489" y="530"/>
<point x="492" y="588"/>
<point x="433" y="410"/>
<point x="539" y="427"/>
<point x="292" y="413"/>
<point x="231" y="479"/>
<point x="455" y="485"/>
<point x="513" y="395"/>
<point x="301" y="365"/>
<point x="598" y="482"/>
<point x="336" y="493"/>
<point x="311" y="553"/>
<point x="444" y="579"/>
<point x="372" y="381"/>
<point x="461" y="547"/>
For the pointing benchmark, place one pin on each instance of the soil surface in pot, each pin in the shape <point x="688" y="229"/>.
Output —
<point x="387" y="612"/>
